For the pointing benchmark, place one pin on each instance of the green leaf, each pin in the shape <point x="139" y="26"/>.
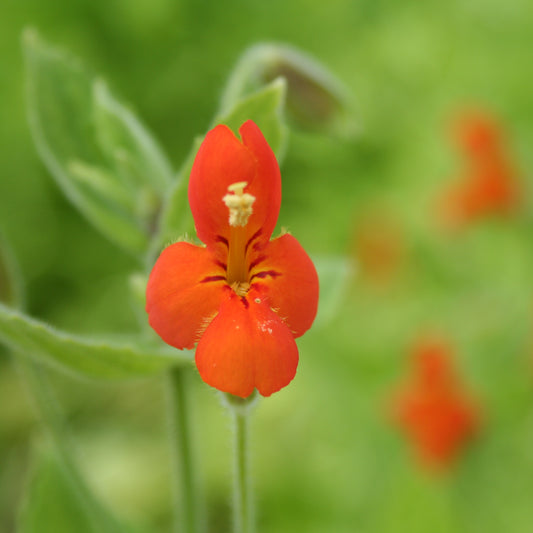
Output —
<point x="176" y="219"/>
<point x="101" y="156"/>
<point x="122" y="137"/>
<point x="58" y="475"/>
<point x="265" y="107"/>
<point x="10" y="283"/>
<point x="51" y="505"/>
<point x="84" y="356"/>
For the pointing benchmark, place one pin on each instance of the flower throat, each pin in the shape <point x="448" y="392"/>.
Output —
<point x="240" y="208"/>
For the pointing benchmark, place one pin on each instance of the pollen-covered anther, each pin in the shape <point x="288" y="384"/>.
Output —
<point x="239" y="204"/>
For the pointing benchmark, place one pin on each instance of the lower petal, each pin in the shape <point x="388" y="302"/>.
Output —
<point x="288" y="274"/>
<point x="183" y="293"/>
<point x="247" y="347"/>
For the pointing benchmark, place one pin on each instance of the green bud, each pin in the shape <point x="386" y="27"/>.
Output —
<point x="316" y="99"/>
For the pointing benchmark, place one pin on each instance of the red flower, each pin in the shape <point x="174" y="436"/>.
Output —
<point x="432" y="409"/>
<point x="243" y="297"/>
<point x="489" y="185"/>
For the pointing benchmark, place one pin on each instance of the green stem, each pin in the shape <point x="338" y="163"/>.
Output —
<point x="243" y="520"/>
<point x="186" y="506"/>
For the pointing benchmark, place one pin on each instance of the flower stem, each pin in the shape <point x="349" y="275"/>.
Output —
<point x="186" y="506"/>
<point x="243" y="520"/>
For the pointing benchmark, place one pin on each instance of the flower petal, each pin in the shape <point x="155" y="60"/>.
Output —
<point x="247" y="346"/>
<point x="183" y="293"/>
<point x="266" y="186"/>
<point x="223" y="160"/>
<point x="289" y="277"/>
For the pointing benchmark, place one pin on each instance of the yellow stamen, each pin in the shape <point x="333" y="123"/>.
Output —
<point x="239" y="204"/>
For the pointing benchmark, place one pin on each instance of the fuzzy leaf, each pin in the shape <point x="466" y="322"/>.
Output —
<point x="101" y="156"/>
<point x="122" y="137"/>
<point x="265" y="107"/>
<point x="176" y="219"/>
<point x="83" y="356"/>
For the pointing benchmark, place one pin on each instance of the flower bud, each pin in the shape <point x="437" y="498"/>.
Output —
<point x="316" y="100"/>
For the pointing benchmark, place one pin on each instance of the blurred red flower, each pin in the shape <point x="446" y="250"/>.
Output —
<point x="489" y="184"/>
<point x="242" y="297"/>
<point x="378" y="246"/>
<point x="432" y="408"/>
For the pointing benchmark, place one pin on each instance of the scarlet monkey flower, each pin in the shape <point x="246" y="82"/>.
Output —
<point x="432" y="409"/>
<point x="242" y="297"/>
<point x="489" y="185"/>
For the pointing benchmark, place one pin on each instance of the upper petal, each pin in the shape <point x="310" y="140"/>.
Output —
<point x="288" y="276"/>
<point x="183" y="293"/>
<point x="247" y="346"/>
<point x="266" y="186"/>
<point x="223" y="160"/>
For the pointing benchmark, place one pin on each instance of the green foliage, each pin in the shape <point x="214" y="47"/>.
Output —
<point x="266" y="108"/>
<point x="82" y="356"/>
<point x="54" y="502"/>
<point x="101" y="156"/>
<point x="316" y="99"/>
<point x="10" y="285"/>
<point x="51" y="505"/>
<point x="176" y="219"/>
<point x="57" y="474"/>
<point x="336" y="464"/>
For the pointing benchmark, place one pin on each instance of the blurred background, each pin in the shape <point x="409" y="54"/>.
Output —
<point x="326" y="457"/>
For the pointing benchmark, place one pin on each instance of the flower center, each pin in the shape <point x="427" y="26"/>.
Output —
<point x="240" y="287"/>
<point x="239" y="205"/>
